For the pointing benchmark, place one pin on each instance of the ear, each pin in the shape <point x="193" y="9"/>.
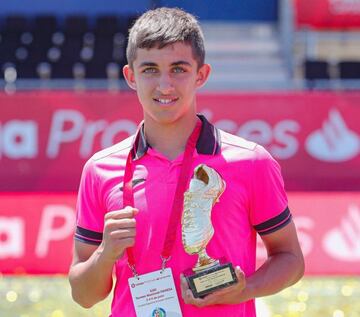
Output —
<point x="129" y="76"/>
<point x="203" y="75"/>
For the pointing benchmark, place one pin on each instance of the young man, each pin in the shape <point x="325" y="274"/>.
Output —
<point x="128" y="192"/>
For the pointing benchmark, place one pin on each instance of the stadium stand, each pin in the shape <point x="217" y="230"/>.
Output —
<point x="325" y="64"/>
<point x="43" y="48"/>
<point x="316" y="69"/>
<point x="244" y="56"/>
<point x="349" y="70"/>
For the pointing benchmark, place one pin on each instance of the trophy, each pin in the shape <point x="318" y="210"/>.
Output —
<point x="208" y="274"/>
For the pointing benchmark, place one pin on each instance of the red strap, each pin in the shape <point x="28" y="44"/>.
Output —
<point x="128" y="197"/>
<point x="128" y="194"/>
<point x="177" y="206"/>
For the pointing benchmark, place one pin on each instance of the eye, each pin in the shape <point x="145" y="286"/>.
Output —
<point x="178" y="69"/>
<point x="150" y="70"/>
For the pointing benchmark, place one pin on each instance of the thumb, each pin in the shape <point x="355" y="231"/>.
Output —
<point x="239" y="272"/>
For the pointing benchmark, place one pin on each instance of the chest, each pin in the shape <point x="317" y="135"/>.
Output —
<point x="154" y="186"/>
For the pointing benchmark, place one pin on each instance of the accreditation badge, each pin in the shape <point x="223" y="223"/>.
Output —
<point x="154" y="294"/>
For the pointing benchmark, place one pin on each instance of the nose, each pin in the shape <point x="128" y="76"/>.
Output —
<point x="165" y="85"/>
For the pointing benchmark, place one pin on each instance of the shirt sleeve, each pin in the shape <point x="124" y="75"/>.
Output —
<point x="269" y="204"/>
<point x="89" y="209"/>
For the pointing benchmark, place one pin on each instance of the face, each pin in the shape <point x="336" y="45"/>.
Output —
<point x="166" y="81"/>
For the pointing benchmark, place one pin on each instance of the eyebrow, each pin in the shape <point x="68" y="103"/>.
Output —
<point x="177" y="63"/>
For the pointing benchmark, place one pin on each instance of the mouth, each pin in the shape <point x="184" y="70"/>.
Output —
<point x="166" y="101"/>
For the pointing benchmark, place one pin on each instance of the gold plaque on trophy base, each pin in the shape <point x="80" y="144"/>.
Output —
<point x="211" y="279"/>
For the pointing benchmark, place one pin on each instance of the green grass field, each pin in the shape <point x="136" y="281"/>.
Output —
<point x="311" y="297"/>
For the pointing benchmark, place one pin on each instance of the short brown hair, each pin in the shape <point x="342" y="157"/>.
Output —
<point x="163" y="26"/>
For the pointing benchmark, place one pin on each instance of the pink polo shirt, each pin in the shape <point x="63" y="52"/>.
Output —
<point x="254" y="202"/>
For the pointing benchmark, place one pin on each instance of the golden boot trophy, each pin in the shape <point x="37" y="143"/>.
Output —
<point x="204" y="191"/>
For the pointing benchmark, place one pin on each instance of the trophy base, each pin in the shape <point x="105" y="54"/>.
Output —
<point x="209" y="280"/>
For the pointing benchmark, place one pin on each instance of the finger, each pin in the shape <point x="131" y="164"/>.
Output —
<point x="183" y="285"/>
<point x="114" y="224"/>
<point x="189" y="297"/>
<point x="240" y="274"/>
<point x="126" y="243"/>
<point x="184" y="282"/>
<point x="218" y="293"/>
<point x="215" y="298"/>
<point x="127" y="212"/>
<point x="123" y="233"/>
<point x="208" y="300"/>
<point x="199" y="302"/>
<point x="219" y="296"/>
<point x="186" y="292"/>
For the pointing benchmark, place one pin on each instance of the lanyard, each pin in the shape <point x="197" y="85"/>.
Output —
<point x="177" y="206"/>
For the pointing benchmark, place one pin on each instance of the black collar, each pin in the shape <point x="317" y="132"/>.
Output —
<point x="208" y="143"/>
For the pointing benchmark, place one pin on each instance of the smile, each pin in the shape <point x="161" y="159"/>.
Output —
<point x="165" y="101"/>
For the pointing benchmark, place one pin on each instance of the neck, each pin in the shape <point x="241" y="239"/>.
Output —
<point x="169" y="139"/>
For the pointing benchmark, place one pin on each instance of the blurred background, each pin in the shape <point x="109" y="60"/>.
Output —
<point x="286" y="74"/>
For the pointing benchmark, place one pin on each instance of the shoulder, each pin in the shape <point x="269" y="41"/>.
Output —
<point x="236" y="145"/>
<point x="109" y="157"/>
<point x="236" y="141"/>
<point x="121" y="148"/>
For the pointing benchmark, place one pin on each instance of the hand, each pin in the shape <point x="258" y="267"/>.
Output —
<point x="119" y="232"/>
<point x="229" y="295"/>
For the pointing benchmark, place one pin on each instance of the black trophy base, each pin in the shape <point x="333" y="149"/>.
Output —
<point x="207" y="281"/>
